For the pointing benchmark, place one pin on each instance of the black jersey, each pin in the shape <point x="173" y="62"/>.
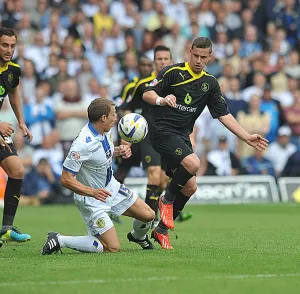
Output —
<point x="128" y="89"/>
<point x="192" y="91"/>
<point x="9" y="79"/>
<point x="137" y="101"/>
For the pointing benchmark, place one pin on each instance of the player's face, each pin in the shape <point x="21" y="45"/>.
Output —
<point x="110" y="119"/>
<point x="7" y="48"/>
<point x="146" y="67"/>
<point x="199" y="58"/>
<point x="162" y="59"/>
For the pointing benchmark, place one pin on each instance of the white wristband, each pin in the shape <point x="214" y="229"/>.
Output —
<point x="158" y="101"/>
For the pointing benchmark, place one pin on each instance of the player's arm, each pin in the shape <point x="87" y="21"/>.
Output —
<point x="255" y="140"/>
<point x="122" y="150"/>
<point x="15" y="102"/>
<point x="154" y="94"/>
<point x="68" y="180"/>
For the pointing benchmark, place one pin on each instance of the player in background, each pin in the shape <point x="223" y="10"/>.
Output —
<point x="124" y="165"/>
<point x="151" y="160"/>
<point x="87" y="171"/>
<point x="178" y="96"/>
<point x="9" y="80"/>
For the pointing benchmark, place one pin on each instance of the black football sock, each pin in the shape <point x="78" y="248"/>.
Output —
<point x="180" y="178"/>
<point x="11" y="202"/>
<point x="152" y="195"/>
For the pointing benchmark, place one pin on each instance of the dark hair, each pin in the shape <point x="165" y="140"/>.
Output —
<point x="7" y="32"/>
<point x="99" y="107"/>
<point x="202" y="42"/>
<point x="162" y="48"/>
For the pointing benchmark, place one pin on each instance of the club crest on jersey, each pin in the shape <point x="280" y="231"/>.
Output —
<point x="205" y="87"/>
<point x="88" y="139"/>
<point x="178" y="151"/>
<point x="74" y="155"/>
<point x="10" y="77"/>
<point x="153" y="83"/>
<point x="148" y="158"/>
<point x="100" y="222"/>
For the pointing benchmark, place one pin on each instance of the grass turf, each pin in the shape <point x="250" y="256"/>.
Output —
<point x="222" y="249"/>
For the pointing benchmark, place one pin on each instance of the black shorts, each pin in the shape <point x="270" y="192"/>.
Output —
<point x="4" y="153"/>
<point x="133" y="160"/>
<point x="149" y="156"/>
<point x="173" y="149"/>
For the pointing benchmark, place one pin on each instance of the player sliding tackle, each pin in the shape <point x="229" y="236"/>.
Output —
<point x="178" y="95"/>
<point x="87" y="171"/>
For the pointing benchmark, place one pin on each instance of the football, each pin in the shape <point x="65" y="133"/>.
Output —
<point x="133" y="127"/>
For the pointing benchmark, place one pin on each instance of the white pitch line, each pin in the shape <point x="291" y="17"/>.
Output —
<point x="149" y="279"/>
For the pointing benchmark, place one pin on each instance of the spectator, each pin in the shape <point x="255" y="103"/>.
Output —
<point x="221" y="161"/>
<point x="257" y="164"/>
<point x="279" y="151"/>
<point x="253" y="121"/>
<point x="291" y="168"/>
<point x="40" y="185"/>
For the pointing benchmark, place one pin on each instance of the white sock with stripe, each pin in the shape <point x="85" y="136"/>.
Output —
<point x="140" y="229"/>
<point x="81" y="243"/>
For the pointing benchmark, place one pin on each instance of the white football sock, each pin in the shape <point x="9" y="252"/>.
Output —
<point x="81" y="243"/>
<point x="140" y="229"/>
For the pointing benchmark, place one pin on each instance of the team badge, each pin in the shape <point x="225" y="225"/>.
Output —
<point x="178" y="151"/>
<point x="100" y="222"/>
<point x="148" y="158"/>
<point x="204" y="87"/>
<point x="74" y="155"/>
<point x="10" y="77"/>
<point x="2" y="90"/>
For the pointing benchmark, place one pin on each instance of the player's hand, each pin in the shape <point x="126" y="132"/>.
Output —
<point x="125" y="151"/>
<point x="100" y="194"/>
<point x="26" y="132"/>
<point x="169" y="100"/>
<point x="4" y="145"/>
<point x="258" y="142"/>
<point x="6" y="129"/>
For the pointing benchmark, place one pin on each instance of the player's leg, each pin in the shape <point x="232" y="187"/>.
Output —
<point x="14" y="169"/>
<point x="102" y="236"/>
<point x="179" y="156"/>
<point x="152" y="164"/>
<point x="143" y="217"/>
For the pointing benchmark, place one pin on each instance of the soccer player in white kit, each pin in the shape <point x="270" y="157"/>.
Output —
<point x="87" y="171"/>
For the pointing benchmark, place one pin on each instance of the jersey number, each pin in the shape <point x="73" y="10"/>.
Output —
<point x="108" y="175"/>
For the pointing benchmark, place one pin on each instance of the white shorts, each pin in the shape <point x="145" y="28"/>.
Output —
<point x="95" y="212"/>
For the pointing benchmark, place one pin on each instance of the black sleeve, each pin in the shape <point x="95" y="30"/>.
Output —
<point x="137" y="97"/>
<point x="16" y="77"/>
<point x="216" y="102"/>
<point x="162" y="82"/>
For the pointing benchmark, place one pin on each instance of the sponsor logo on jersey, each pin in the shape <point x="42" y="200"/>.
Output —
<point x="185" y="108"/>
<point x="205" y="87"/>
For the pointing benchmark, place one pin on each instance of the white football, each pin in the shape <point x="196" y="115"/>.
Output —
<point x="133" y="127"/>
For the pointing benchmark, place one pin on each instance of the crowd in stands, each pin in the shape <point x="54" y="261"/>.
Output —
<point x="73" y="51"/>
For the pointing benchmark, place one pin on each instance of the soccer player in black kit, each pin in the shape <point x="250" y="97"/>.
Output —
<point x="178" y="95"/>
<point x="9" y="80"/>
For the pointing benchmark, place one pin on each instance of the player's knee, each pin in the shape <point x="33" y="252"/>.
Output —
<point x="113" y="248"/>
<point x="17" y="173"/>
<point x="153" y="173"/>
<point x="148" y="215"/>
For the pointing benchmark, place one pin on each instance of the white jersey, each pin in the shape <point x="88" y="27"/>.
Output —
<point x="90" y="159"/>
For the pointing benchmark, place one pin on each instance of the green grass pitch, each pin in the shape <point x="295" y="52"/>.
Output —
<point x="222" y="249"/>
